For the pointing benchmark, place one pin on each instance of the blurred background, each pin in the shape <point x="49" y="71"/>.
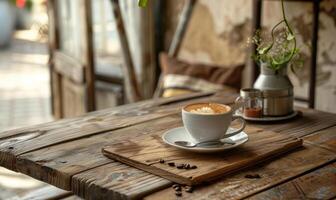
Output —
<point x="63" y="58"/>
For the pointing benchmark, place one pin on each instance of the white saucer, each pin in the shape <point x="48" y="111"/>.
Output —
<point x="181" y="134"/>
<point x="272" y="119"/>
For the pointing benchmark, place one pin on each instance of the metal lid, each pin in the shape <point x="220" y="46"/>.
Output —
<point x="250" y="92"/>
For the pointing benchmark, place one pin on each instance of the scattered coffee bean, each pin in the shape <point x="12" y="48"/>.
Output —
<point x="193" y="167"/>
<point x="189" y="189"/>
<point x="179" y="166"/>
<point x="248" y="176"/>
<point x="175" y="185"/>
<point x="172" y="164"/>
<point x="177" y="188"/>
<point x="187" y="166"/>
<point x="178" y="193"/>
<point x="252" y="176"/>
<point x="162" y="161"/>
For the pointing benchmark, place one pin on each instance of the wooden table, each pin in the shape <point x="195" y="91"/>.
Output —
<point x="67" y="154"/>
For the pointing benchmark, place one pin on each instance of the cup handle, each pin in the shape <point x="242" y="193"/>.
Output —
<point x="235" y="117"/>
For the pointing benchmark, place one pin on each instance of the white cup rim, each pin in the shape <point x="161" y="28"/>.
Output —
<point x="212" y="114"/>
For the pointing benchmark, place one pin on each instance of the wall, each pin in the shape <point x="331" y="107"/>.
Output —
<point x="219" y="31"/>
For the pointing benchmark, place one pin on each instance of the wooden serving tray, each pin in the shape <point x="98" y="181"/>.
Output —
<point x="145" y="153"/>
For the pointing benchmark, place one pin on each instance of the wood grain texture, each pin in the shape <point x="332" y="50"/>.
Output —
<point x="68" y="67"/>
<point x="116" y="181"/>
<point x="144" y="153"/>
<point x="309" y="122"/>
<point x="272" y="173"/>
<point x="17" y="142"/>
<point x="73" y="98"/>
<point x="68" y="151"/>
<point x="325" y="138"/>
<point x="146" y="104"/>
<point x="56" y="92"/>
<point x="57" y="164"/>
<point x="319" y="184"/>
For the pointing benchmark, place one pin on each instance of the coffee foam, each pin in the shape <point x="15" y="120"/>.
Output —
<point x="206" y="108"/>
<point x="203" y="110"/>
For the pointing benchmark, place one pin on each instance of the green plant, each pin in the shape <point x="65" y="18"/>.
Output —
<point x="281" y="50"/>
<point x="142" y="3"/>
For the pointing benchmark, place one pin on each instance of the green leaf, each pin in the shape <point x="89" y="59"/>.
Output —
<point x="264" y="49"/>
<point x="290" y="36"/>
<point x="142" y="3"/>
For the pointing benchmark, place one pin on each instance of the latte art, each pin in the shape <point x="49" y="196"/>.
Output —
<point x="207" y="108"/>
<point x="203" y="110"/>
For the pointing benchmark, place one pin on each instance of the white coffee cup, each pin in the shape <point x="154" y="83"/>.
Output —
<point x="210" y="126"/>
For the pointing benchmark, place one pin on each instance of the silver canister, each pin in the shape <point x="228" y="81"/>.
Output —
<point x="277" y="91"/>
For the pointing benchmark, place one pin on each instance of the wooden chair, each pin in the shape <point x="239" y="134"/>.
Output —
<point x="177" y="39"/>
<point x="130" y="82"/>
<point x="73" y="78"/>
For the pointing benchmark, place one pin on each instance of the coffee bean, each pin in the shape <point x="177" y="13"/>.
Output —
<point x="178" y="193"/>
<point x="252" y="176"/>
<point x="189" y="189"/>
<point x="193" y="167"/>
<point x="177" y="188"/>
<point x="180" y="166"/>
<point x="187" y="166"/>
<point x="175" y="185"/>
<point x="162" y="161"/>
<point x="172" y="164"/>
<point x="257" y="176"/>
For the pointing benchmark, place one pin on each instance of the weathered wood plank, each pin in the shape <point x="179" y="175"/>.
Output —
<point x="275" y="168"/>
<point x="310" y="122"/>
<point x="116" y="181"/>
<point x="69" y="67"/>
<point x="73" y="98"/>
<point x="47" y="135"/>
<point x="325" y="138"/>
<point x="70" y="152"/>
<point x="56" y="92"/>
<point x="319" y="184"/>
<point x="56" y="164"/>
<point x="272" y="173"/>
<point x="127" y="107"/>
<point x="144" y="153"/>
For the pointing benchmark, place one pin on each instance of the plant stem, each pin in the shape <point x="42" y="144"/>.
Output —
<point x="290" y="31"/>
<point x="272" y="33"/>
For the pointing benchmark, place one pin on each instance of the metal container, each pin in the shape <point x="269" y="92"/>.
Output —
<point x="277" y="91"/>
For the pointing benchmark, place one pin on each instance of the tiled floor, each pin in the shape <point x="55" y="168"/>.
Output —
<point x="24" y="85"/>
<point x="24" y="100"/>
